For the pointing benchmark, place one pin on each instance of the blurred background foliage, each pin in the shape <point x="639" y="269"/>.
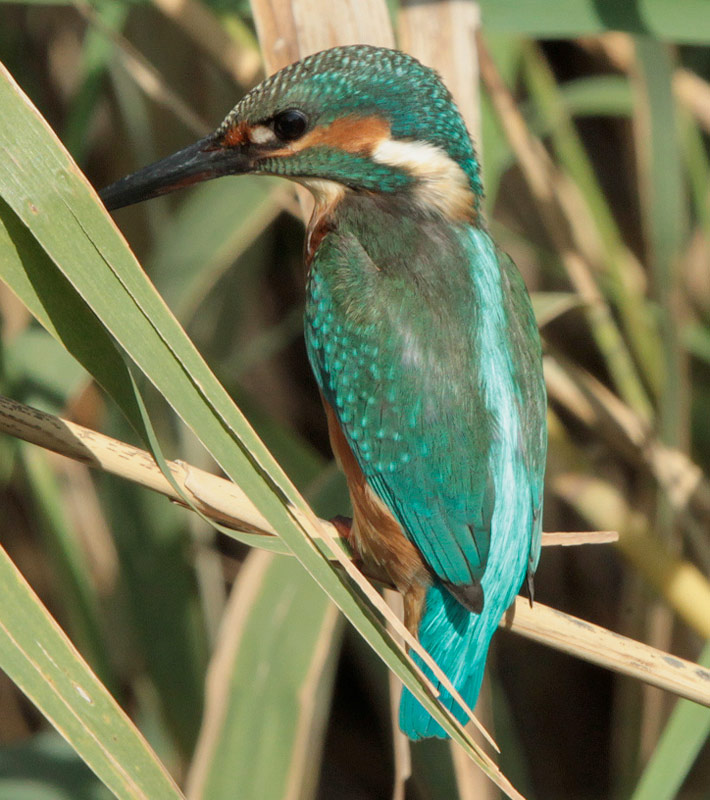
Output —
<point x="618" y="95"/>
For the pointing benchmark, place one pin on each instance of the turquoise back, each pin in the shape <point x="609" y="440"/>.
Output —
<point x="422" y="338"/>
<point x="423" y="341"/>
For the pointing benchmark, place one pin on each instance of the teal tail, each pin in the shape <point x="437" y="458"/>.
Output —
<point x="458" y="641"/>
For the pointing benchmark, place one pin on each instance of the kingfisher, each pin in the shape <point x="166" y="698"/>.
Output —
<point x="419" y="331"/>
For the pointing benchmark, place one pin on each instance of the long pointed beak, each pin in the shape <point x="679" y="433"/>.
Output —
<point x="202" y="161"/>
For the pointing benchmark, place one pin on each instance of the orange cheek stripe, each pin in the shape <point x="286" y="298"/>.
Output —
<point x="352" y="133"/>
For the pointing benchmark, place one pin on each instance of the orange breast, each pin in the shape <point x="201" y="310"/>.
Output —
<point x="376" y="535"/>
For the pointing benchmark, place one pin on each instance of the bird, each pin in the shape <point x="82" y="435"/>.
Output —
<point x="420" y="333"/>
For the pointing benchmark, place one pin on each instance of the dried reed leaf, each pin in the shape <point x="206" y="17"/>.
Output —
<point x="611" y="650"/>
<point x="217" y="498"/>
<point x="131" y="463"/>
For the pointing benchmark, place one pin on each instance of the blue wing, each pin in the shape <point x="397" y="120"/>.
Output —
<point x="427" y="374"/>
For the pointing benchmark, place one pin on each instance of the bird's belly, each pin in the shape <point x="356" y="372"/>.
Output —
<point x="376" y="535"/>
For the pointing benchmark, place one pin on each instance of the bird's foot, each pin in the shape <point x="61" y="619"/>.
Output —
<point x="343" y="525"/>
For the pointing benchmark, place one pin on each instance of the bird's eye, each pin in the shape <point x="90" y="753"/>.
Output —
<point x="290" y="124"/>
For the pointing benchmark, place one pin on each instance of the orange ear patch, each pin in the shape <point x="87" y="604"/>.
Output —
<point x="353" y="134"/>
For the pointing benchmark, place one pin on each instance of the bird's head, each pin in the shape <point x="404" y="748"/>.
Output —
<point x="356" y="118"/>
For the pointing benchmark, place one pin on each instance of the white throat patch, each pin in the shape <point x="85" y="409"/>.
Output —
<point x="442" y="184"/>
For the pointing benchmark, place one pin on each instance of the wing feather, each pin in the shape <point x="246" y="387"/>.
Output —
<point x="397" y="354"/>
